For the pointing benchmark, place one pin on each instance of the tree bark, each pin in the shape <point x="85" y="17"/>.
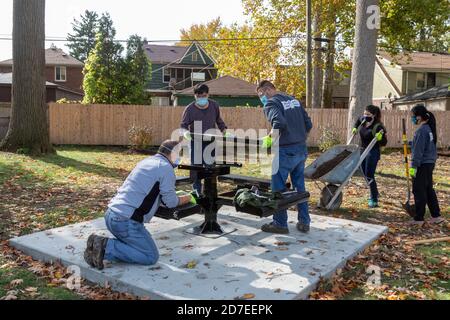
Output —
<point x="317" y="63"/>
<point x="328" y="78"/>
<point x="361" y="86"/>
<point x="28" y="129"/>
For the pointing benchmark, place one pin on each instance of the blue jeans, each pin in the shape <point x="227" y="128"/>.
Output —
<point x="197" y="185"/>
<point x="134" y="244"/>
<point x="369" y="166"/>
<point x="291" y="162"/>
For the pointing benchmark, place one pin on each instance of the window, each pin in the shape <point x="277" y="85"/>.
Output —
<point x="431" y="80"/>
<point x="195" y="56"/>
<point x="420" y="80"/>
<point x="60" y="74"/>
<point x="166" y="75"/>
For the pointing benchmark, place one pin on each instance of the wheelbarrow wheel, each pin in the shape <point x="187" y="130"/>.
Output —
<point x="327" y="194"/>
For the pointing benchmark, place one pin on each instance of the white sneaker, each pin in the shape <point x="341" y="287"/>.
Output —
<point x="437" y="220"/>
<point x="416" y="223"/>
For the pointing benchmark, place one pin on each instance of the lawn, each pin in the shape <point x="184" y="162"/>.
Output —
<point x="76" y="183"/>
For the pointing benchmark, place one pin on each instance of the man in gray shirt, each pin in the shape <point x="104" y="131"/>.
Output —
<point x="200" y="116"/>
<point x="151" y="183"/>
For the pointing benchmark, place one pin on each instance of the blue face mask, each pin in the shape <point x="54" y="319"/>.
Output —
<point x="264" y="100"/>
<point x="177" y="162"/>
<point x="414" y="120"/>
<point x="202" y="102"/>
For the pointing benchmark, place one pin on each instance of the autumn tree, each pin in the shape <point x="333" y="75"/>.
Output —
<point x="28" y="129"/>
<point x="82" y="41"/>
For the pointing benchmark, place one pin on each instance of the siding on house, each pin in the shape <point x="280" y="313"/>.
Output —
<point x="224" y="101"/>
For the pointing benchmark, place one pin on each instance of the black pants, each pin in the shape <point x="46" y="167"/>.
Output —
<point x="424" y="193"/>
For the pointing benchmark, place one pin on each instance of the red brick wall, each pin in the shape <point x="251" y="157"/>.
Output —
<point x="74" y="78"/>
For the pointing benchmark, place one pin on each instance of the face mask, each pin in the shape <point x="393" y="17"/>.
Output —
<point x="414" y="120"/>
<point x="177" y="162"/>
<point x="264" y="100"/>
<point x="202" y="102"/>
<point x="368" y="119"/>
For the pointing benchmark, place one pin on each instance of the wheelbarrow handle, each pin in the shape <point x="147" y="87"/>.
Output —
<point x="354" y="134"/>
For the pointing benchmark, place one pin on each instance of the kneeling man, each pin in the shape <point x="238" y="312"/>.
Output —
<point x="151" y="183"/>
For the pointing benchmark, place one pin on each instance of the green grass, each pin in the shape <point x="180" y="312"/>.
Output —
<point x="31" y="286"/>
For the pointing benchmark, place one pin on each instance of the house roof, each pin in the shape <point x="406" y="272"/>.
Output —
<point x="432" y="93"/>
<point x="53" y="56"/>
<point x="419" y="60"/>
<point x="165" y="54"/>
<point x="6" y="79"/>
<point x="226" y="86"/>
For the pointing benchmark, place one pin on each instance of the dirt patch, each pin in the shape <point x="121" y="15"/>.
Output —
<point x="326" y="167"/>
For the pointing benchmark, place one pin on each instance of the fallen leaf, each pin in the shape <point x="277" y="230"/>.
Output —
<point x="16" y="282"/>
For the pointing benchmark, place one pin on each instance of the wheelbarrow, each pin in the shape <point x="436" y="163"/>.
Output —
<point x="336" y="179"/>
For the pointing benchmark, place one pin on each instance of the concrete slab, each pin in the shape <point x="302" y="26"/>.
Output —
<point x="248" y="261"/>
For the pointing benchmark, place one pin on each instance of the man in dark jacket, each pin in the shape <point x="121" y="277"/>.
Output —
<point x="201" y="116"/>
<point x="290" y="119"/>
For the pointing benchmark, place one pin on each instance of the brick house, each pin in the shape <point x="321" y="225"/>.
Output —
<point x="61" y="69"/>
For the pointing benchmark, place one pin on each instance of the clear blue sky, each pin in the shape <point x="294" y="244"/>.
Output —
<point x="154" y="19"/>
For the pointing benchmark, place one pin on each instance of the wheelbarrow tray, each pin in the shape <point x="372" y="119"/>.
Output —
<point x="342" y="171"/>
<point x="289" y="200"/>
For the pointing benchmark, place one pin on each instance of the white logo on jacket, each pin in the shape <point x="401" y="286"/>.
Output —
<point x="431" y="137"/>
<point x="291" y="104"/>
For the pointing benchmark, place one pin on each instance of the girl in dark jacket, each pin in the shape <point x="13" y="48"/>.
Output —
<point x="424" y="156"/>
<point x="371" y="127"/>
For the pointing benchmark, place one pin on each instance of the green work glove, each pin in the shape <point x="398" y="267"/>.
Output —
<point x="354" y="130"/>
<point x="379" y="136"/>
<point x="187" y="136"/>
<point x="267" y="142"/>
<point x="413" y="172"/>
<point x="228" y="135"/>
<point x="193" y="199"/>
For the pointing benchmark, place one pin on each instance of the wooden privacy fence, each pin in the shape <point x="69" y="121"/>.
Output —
<point x="109" y="124"/>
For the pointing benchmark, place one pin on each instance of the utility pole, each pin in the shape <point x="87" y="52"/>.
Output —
<point x="308" y="55"/>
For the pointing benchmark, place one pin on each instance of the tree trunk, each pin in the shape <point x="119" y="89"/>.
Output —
<point x="317" y="63"/>
<point x="28" y="129"/>
<point x="328" y="78"/>
<point x="361" y="86"/>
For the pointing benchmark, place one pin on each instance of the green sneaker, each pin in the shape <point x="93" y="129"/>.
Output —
<point x="373" y="203"/>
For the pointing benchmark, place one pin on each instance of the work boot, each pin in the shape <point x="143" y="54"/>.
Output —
<point x="303" y="227"/>
<point x="271" y="228"/>
<point x="98" y="251"/>
<point x="88" y="252"/>
<point x="373" y="203"/>
<point x="437" y="220"/>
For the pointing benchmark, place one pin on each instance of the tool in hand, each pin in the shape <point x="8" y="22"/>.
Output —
<point x="410" y="209"/>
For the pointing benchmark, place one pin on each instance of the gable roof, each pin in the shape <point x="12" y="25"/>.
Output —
<point x="164" y="54"/>
<point x="432" y="93"/>
<point x="419" y="61"/>
<point x="6" y="79"/>
<point x="53" y="56"/>
<point x="174" y="54"/>
<point x="226" y="86"/>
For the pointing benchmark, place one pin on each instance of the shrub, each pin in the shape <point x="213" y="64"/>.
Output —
<point x="140" y="137"/>
<point x="329" y="138"/>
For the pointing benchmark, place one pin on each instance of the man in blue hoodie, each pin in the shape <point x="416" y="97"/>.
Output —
<point x="151" y="183"/>
<point x="287" y="115"/>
